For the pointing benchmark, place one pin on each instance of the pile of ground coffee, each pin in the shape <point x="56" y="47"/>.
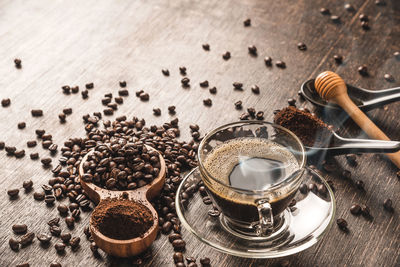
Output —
<point x="122" y="219"/>
<point x="311" y="130"/>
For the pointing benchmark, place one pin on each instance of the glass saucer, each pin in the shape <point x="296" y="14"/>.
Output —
<point x="302" y="225"/>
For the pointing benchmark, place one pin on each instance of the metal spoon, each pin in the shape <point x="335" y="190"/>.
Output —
<point x="343" y="145"/>
<point x="363" y="98"/>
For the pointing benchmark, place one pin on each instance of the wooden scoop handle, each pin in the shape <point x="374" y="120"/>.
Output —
<point x="365" y="123"/>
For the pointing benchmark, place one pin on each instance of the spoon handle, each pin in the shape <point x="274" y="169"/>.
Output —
<point x="365" y="123"/>
<point x="383" y="97"/>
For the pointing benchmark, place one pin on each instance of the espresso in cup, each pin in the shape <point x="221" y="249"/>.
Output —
<point x="255" y="164"/>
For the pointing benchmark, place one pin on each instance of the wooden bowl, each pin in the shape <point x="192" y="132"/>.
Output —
<point x="129" y="247"/>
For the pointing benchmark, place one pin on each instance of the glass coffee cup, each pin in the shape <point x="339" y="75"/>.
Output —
<point x="252" y="171"/>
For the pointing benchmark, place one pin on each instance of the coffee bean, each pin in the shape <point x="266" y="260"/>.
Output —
<point x="49" y="199"/>
<point x="85" y="94"/>
<point x="27" y="185"/>
<point x="182" y="70"/>
<point x="301" y="46"/>
<point x="342" y="223"/>
<point x="324" y="11"/>
<point x="255" y="89"/>
<point x="55" y="264"/>
<point x="39" y="195"/>
<point x="252" y="50"/>
<point x="108" y="111"/>
<point x="25" y="264"/>
<point x="247" y="22"/>
<point x="180" y="264"/>
<point x="89" y="85"/>
<point x="260" y="115"/>
<point x="360" y="184"/>
<point x="74" y="242"/>
<point x="388" y="204"/>
<point x="63" y="209"/>
<point x="303" y="189"/>
<point x="268" y="61"/>
<point x="365" y="211"/>
<point x="118" y="100"/>
<point x="365" y="25"/>
<point x="363" y="17"/>
<point x="156" y="111"/>
<point x="207" y="102"/>
<point x="335" y="18"/>
<point x="122" y="83"/>
<point x="2" y="145"/>
<point x="21" y="125"/>
<point x="55" y="230"/>
<point x="60" y="247"/>
<point x="27" y="239"/>
<point x="19" y="153"/>
<point x="363" y="70"/>
<point x="13" y="243"/>
<point x="10" y="150"/>
<point x="322" y="189"/>
<point x="165" y="72"/>
<point x="93" y="248"/>
<point x="207" y="200"/>
<point x="206" y="47"/>
<point x="280" y="64"/>
<point x="123" y="92"/>
<point x="19" y="228"/>
<point x="37" y="112"/>
<point x="313" y="188"/>
<point x="46" y="161"/>
<point x="355" y="209"/>
<point x="238" y="104"/>
<point x="388" y="77"/>
<point x="44" y="238"/>
<point x="179" y="245"/>
<point x="397" y="55"/>
<point x="205" y="261"/>
<point x="238" y="86"/>
<point x="178" y="257"/>
<point x="194" y="127"/>
<point x="166" y="228"/>
<point x="13" y="193"/>
<point x="18" y="63"/>
<point x="291" y="102"/>
<point x="214" y="213"/>
<point x="204" y="84"/>
<point x="53" y="148"/>
<point x="213" y="90"/>
<point x="192" y="264"/>
<point x="226" y="55"/>
<point x="76" y="213"/>
<point x="5" y="102"/>
<point x="174" y="236"/>
<point x="338" y="59"/>
<point x="65" y="237"/>
<point x="144" y="97"/>
<point x="32" y="143"/>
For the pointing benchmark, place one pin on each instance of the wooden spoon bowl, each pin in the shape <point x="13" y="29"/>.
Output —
<point x="142" y="195"/>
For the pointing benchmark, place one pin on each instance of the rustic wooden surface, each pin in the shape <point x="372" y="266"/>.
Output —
<point x="75" y="42"/>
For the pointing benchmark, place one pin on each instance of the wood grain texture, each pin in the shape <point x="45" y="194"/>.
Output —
<point x="76" y="42"/>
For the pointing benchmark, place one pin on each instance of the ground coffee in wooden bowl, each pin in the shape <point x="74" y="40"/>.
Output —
<point x="122" y="219"/>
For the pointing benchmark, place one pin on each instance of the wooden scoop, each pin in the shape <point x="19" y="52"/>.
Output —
<point x="331" y="87"/>
<point x="129" y="247"/>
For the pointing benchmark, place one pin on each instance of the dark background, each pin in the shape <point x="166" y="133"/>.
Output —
<point x="76" y="42"/>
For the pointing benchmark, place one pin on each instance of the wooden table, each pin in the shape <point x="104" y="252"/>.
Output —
<point x="76" y="42"/>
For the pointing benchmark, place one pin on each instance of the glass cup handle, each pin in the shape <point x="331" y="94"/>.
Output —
<point x="266" y="219"/>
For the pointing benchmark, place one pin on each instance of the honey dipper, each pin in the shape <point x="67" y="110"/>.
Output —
<point x="332" y="88"/>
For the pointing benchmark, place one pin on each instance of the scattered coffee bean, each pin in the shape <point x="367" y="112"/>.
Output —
<point x="19" y="228"/>
<point x="179" y="245"/>
<point x="182" y="70"/>
<point x="27" y="185"/>
<point x="303" y="189"/>
<point x="363" y="70"/>
<point x="74" y="242"/>
<point x="355" y="209"/>
<point x="44" y="238"/>
<point x="25" y="264"/>
<point x="388" y="204"/>
<point x="144" y="96"/>
<point x="49" y="199"/>
<point x="34" y="156"/>
<point x="13" y="193"/>
<point x="122" y="84"/>
<point x="322" y="189"/>
<point x="55" y="230"/>
<point x="247" y="22"/>
<point x="165" y="72"/>
<point x="194" y="127"/>
<point x="21" y="125"/>
<point x="63" y="209"/>
<point x="365" y="211"/>
<point x="18" y="63"/>
<point x="338" y="59"/>
<point x="268" y="61"/>
<point x="342" y="223"/>
<point x="238" y="86"/>
<point x="119" y="100"/>
<point x="360" y="184"/>
<point x="85" y="94"/>
<point x="174" y="236"/>
<point x="324" y="11"/>
<point x="10" y="150"/>
<point x="46" y="161"/>
<point x="13" y="243"/>
<point x="388" y="77"/>
<point x="207" y="102"/>
<point x="60" y="247"/>
<point x="19" y="153"/>
<point x="207" y="200"/>
<point x="335" y="18"/>
<point x="65" y="237"/>
<point x="39" y="195"/>
<point x="255" y="89"/>
<point x="89" y="85"/>
<point x="27" y="239"/>
<point x="363" y="17"/>
<point x="167" y="227"/>
<point x="2" y="145"/>
<point x="204" y="84"/>
<point x="123" y="92"/>
<point x="156" y="111"/>
<point x="301" y="46"/>
<point x="32" y="143"/>
<point x="312" y="188"/>
<point x="205" y="261"/>
<point x="5" y="102"/>
<point x="75" y="89"/>
<point x="37" y="112"/>
<point x="260" y="115"/>
<point x="349" y="7"/>
<point x="55" y="264"/>
<point x="213" y="90"/>
<point x="206" y="47"/>
<point x="67" y="111"/>
<point x="280" y="64"/>
<point x="238" y="104"/>
<point x="365" y="25"/>
<point x="291" y="102"/>
<point x="178" y="257"/>
<point x="252" y="50"/>
<point x="214" y="212"/>
<point x="226" y="55"/>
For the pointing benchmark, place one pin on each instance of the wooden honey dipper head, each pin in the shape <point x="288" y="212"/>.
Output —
<point x="329" y="85"/>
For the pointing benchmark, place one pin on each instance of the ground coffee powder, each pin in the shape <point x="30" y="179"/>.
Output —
<point x="122" y="219"/>
<point x="311" y="130"/>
